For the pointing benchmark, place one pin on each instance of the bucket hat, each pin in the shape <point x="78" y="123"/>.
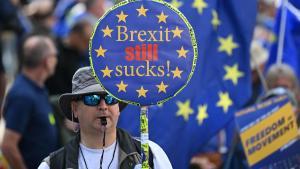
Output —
<point x="83" y="82"/>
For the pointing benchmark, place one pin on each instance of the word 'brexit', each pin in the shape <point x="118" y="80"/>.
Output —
<point x="142" y="35"/>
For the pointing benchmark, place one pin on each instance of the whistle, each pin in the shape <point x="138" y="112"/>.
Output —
<point x="103" y="121"/>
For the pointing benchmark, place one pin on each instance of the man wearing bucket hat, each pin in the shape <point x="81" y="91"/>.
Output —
<point x="99" y="143"/>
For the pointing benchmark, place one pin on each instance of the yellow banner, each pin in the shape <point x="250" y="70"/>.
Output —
<point x="270" y="134"/>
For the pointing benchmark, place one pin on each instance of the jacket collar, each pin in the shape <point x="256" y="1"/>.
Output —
<point x="73" y="152"/>
<point x="127" y="148"/>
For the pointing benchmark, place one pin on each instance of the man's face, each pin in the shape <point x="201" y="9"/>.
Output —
<point x="89" y="116"/>
<point x="284" y="82"/>
<point x="51" y="60"/>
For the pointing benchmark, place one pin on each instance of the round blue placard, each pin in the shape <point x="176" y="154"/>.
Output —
<point x="143" y="52"/>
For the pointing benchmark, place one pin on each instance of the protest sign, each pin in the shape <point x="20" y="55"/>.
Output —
<point x="143" y="52"/>
<point x="267" y="130"/>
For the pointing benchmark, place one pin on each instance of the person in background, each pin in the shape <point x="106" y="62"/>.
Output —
<point x="31" y="132"/>
<point x="94" y="10"/>
<point x="73" y="54"/>
<point x="40" y="14"/>
<point x="282" y="75"/>
<point x="9" y="22"/>
<point x="99" y="143"/>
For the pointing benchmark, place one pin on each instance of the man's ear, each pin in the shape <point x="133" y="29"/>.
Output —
<point x="44" y="62"/>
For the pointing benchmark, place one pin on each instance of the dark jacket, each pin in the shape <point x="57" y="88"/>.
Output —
<point x="129" y="155"/>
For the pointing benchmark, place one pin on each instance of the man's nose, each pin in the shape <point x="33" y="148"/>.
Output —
<point x="102" y="105"/>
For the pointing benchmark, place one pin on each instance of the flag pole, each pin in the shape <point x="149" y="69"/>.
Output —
<point x="281" y="32"/>
<point x="261" y="76"/>
<point x="144" y="137"/>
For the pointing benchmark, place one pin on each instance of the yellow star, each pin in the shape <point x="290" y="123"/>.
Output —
<point x="224" y="101"/>
<point x="232" y="73"/>
<point x="177" y="32"/>
<point x="122" y="86"/>
<point x="200" y="5"/>
<point x="182" y="52"/>
<point x="162" y="87"/>
<point x="122" y="17"/>
<point x="227" y="45"/>
<point x="184" y="109"/>
<point x="142" y="92"/>
<point x="215" y="20"/>
<point x="101" y="51"/>
<point x="162" y="17"/>
<point x="177" y="73"/>
<point x="142" y="11"/>
<point x="202" y="114"/>
<point x="107" y="31"/>
<point x="177" y="4"/>
<point x="106" y="71"/>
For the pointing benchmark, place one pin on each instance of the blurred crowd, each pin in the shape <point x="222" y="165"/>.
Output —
<point x="68" y="24"/>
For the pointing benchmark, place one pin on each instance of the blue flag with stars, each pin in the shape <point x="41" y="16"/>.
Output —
<point x="291" y="37"/>
<point x="220" y="86"/>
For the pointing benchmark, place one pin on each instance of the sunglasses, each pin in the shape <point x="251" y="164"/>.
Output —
<point x="95" y="99"/>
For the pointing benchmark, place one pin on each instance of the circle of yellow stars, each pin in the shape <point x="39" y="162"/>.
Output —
<point x="162" y="18"/>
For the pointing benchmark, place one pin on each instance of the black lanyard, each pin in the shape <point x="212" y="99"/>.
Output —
<point x="101" y="157"/>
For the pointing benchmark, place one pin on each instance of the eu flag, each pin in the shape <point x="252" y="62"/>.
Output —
<point x="291" y="37"/>
<point x="219" y="87"/>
